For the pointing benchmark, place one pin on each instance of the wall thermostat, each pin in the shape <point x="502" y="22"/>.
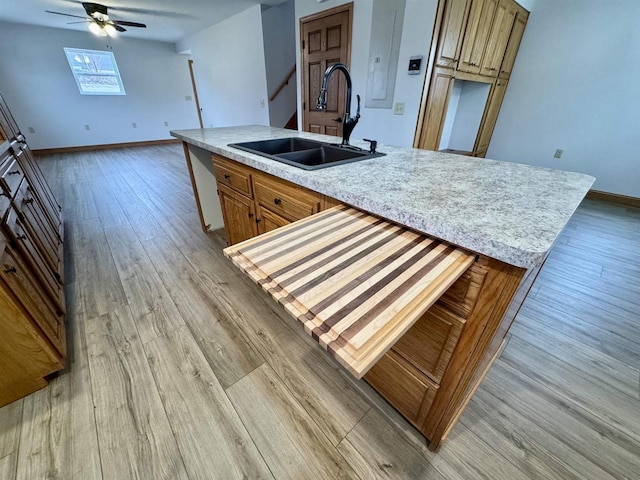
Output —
<point x="414" y="64"/>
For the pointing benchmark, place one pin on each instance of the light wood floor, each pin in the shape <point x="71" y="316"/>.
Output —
<point x="180" y="368"/>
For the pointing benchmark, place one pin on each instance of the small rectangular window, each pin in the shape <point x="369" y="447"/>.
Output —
<point x="95" y="71"/>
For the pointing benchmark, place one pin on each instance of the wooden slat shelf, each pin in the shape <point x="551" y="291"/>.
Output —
<point x="355" y="281"/>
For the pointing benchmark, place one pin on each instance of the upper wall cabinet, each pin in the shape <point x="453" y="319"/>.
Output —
<point x="498" y="38"/>
<point x="453" y="22"/>
<point x="513" y="44"/>
<point x="476" y="35"/>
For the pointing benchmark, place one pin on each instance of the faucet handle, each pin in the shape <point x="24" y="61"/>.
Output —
<point x="373" y="144"/>
<point x="358" y="107"/>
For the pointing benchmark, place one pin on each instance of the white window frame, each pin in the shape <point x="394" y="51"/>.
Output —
<point x="73" y="53"/>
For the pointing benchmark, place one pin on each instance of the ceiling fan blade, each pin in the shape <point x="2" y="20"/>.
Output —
<point x="65" y="14"/>
<point x="129" y="24"/>
<point x="119" y="28"/>
<point x="92" y="8"/>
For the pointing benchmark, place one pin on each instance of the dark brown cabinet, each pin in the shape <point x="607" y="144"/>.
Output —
<point x="31" y="281"/>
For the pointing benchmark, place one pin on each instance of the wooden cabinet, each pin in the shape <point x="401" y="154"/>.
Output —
<point x="31" y="280"/>
<point x="239" y="214"/>
<point x="513" y="44"/>
<point x="267" y="220"/>
<point x="453" y="22"/>
<point x="498" y="38"/>
<point x="426" y="352"/>
<point x="410" y="393"/>
<point x="476" y="35"/>
<point x="476" y="41"/>
<point x="490" y="115"/>
<point x="254" y="202"/>
<point x="439" y="93"/>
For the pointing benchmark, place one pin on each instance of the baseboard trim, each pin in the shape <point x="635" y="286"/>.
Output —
<point x="614" y="198"/>
<point x="106" y="146"/>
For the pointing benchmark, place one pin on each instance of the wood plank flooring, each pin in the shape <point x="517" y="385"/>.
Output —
<point x="181" y="368"/>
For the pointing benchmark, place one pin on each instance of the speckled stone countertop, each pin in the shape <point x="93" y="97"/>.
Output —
<point x="504" y="210"/>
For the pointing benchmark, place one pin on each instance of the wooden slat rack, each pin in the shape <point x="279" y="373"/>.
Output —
<point x="355" y="281"/>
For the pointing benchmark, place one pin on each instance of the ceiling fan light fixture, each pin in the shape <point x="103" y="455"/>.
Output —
<point x="94" y="28"/>
<point x="110" y="30"/>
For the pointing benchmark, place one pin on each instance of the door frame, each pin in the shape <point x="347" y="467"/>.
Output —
<point x="347" y="7"/>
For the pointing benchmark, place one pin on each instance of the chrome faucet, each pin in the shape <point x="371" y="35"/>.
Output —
<point x="349" y="122"/>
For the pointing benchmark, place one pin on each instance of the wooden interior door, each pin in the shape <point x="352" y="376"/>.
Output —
<point x="325" y="40"/>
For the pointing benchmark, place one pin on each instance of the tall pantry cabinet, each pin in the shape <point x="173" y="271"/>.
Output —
<point x="474" y="41"/>
<point x="32" y="304"/>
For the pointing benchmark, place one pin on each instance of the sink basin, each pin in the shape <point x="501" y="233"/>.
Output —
<point x="306" y="154"/>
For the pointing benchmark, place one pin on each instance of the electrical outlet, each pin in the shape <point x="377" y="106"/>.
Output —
<point x="166" y="124"/>
<point x="87" y="127"/>
<point x="558" y="153"/>
<point x="31" y="130"/>
<point x="398" y="109"/>
<point x="188" y="98"/>
<point x="134" y="125"/>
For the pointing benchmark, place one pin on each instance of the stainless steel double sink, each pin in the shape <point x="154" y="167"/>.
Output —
<point x="304" y="153"/>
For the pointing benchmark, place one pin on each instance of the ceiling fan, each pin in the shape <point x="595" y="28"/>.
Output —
<point x="99" y="21"/>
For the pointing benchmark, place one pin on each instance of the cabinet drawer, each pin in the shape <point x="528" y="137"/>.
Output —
<point x="29" y="292"/>
<point x="409" y="393"/>
<point x="285" y="199"/>
<point x="232" y="175"/>
<point x="11" y="174"/>
<point x="429" y="344"/>
<point x="26" y="245"/>
<point x="461" y="298"/>
<point x="36" y="180"/>
<point x="39" y="227"/>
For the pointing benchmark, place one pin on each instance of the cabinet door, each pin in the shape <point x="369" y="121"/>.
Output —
<point x="490" y="116"/>
<point x="239" y="215"/>
<point x="513" y="45"/>
<point x="476" y="35"/>
<point x="498" y="38"/>
<point x="450" y="39"/>
<point x="437" y="102"/>
<point x="267" y="220"/>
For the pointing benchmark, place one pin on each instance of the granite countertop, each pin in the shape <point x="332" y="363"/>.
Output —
<point x="504" y="210"/>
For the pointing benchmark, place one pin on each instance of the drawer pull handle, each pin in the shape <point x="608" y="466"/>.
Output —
<point x="10" y="270"/>
<point x="277" y="201"/>
<point x="258" y="220"/>
<point x="227" y="176"/>
<point x="21" y="237"/>
<point x="251" y="215"/>
<point x="28" y="201"/>
<point x="15" y="172"/>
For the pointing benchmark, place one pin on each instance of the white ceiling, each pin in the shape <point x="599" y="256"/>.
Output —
<point x="166" y="20"/>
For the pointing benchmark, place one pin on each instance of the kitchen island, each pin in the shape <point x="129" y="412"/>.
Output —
<point x="505" y="216"/>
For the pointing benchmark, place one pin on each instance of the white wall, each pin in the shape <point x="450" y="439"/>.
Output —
<point x="38" y="85"/>
<point x="279" y="35"/>
<point x="468" y="114"/>
<point x="576" y="86"/>
<point x="382" y="124"/>
<point x="230" y="72"/>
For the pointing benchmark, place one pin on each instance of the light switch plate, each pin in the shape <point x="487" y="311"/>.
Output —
<point x="398" y="109"/>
